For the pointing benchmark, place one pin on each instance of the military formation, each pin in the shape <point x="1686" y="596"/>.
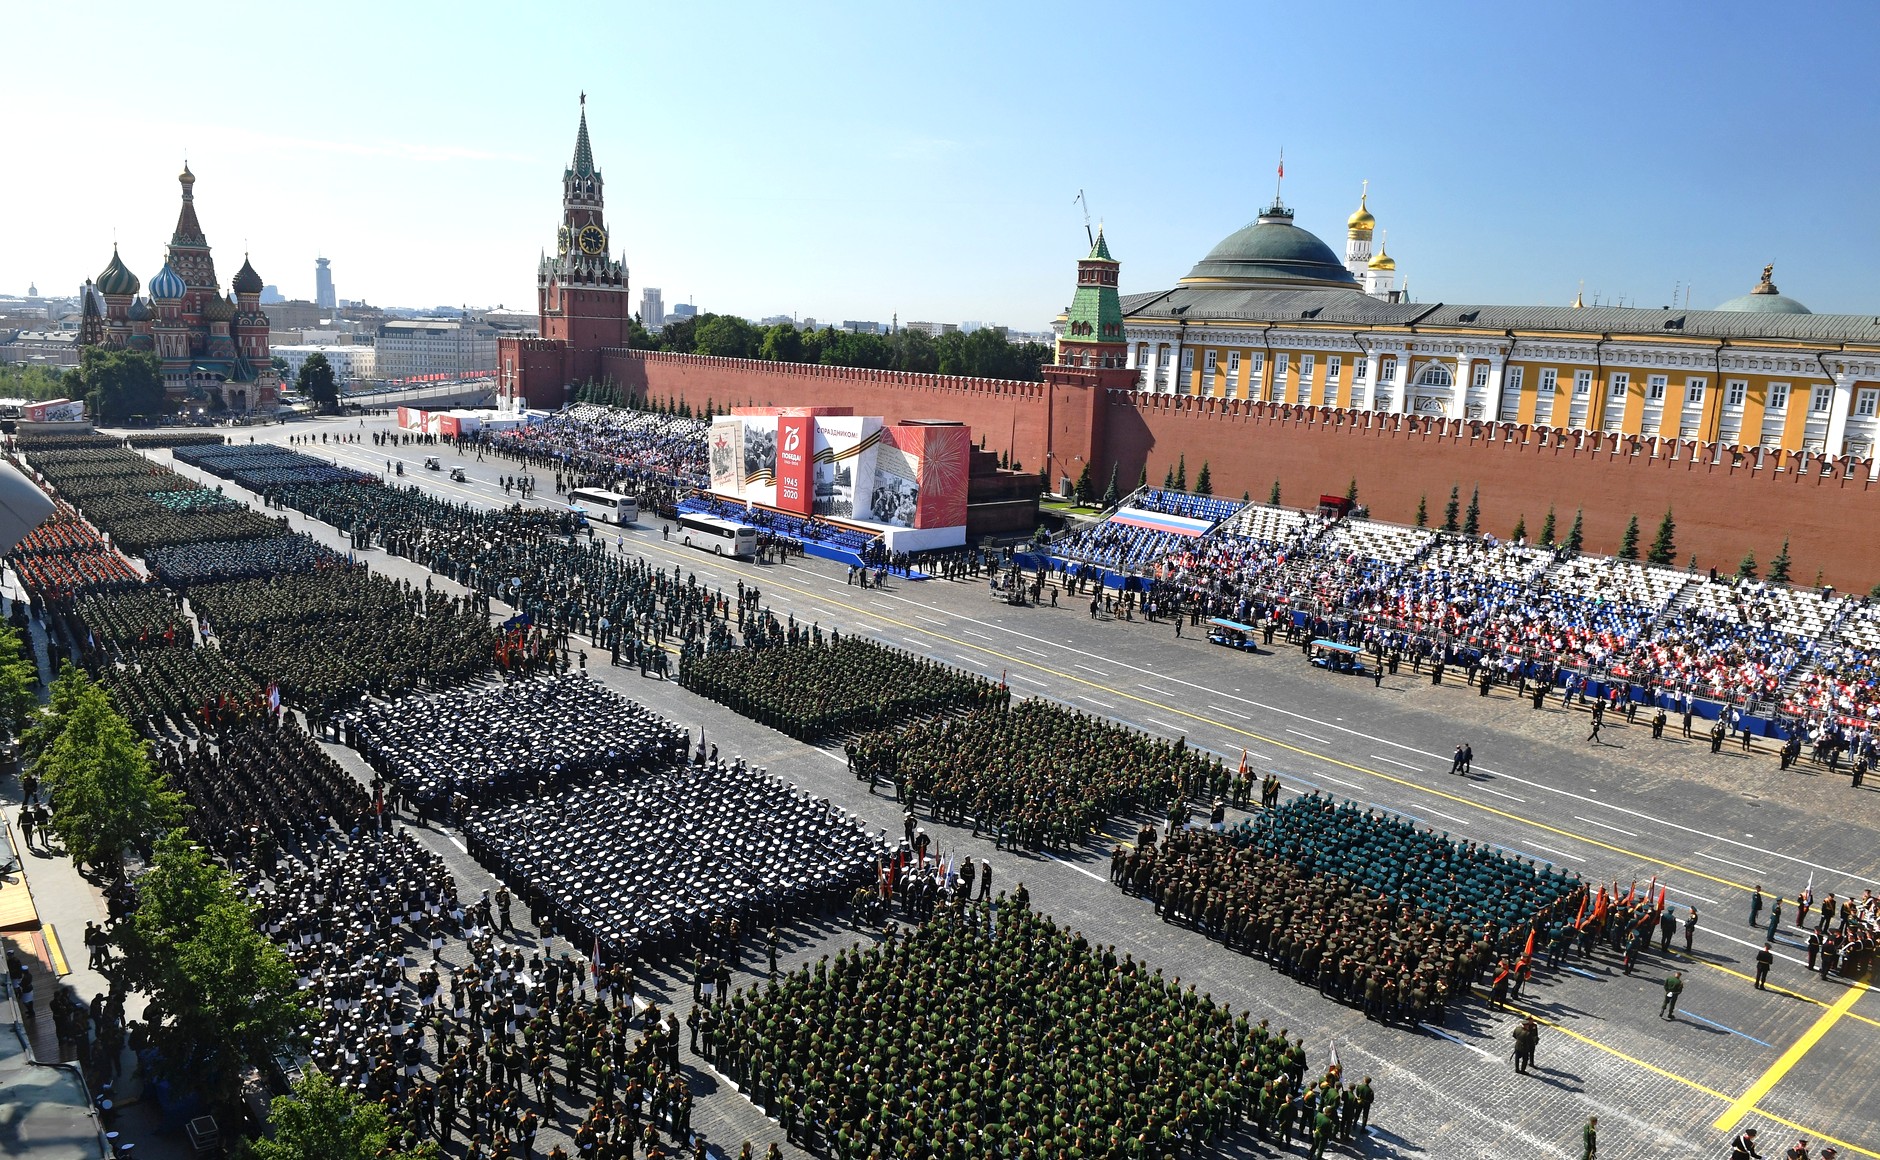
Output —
<point x="991" y="1031"/>
<point x="474" y="748"/>
<point x="1396" y="963"/>
<point x="647" y="863"/>
<point x="813" y="688"/>
<point x="1037" y="775"/>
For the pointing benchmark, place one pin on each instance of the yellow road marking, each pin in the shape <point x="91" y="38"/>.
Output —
<point x="1693" y="1084"/>
<point x="1779" y="990"/>
<point x="1746" y="1102"/>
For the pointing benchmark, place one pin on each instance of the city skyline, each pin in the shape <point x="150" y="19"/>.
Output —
<point x="1641" y="156"/>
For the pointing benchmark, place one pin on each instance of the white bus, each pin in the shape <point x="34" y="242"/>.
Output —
<point x="609" y="507"/>
<point x="721" y="536"/>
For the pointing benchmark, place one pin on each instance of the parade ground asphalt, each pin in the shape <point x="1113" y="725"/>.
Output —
<point x="1795" y="1060"/>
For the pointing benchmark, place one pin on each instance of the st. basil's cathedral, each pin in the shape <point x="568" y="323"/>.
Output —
<point x="211" y="348"/>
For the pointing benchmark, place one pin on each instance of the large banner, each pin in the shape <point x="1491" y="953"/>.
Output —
<point x="796" y="441"/>
<point x="727" y="455"/>
<point x="845" y="453"/>
<point x="55" y="411"/>
<point x="843" y="467"/>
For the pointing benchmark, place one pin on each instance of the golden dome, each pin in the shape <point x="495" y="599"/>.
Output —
<point x="186" y="177"/>
<point x="1382" y="260"/>
<point x="1361" y="221"/>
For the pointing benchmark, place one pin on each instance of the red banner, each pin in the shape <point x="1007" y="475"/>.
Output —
<point x="796" y="443"/>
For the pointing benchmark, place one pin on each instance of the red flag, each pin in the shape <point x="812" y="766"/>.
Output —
<point x="1580" y="918"/>
<point x="596" y="964"/>
<point x="1528" y="954"/>
<point x="1632" y="893"/>
<point x="1243" y="763"/>
<point x="1661" y="897"/>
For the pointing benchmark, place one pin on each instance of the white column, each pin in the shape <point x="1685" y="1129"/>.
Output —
<point x="1403" y="386"/>
<point x="1176" y="382"/>
<point x="1495" y="365"/>
<point x="1836" y="442"/>
<point x="1459" y="389"/>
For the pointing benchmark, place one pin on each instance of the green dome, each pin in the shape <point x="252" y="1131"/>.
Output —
<point x="116" y="280"/>
<point x="1272" y="249"/>
<point x="218" y="309"/>
<point x="1765" y="304"/>
<point x="1765" y="299"/>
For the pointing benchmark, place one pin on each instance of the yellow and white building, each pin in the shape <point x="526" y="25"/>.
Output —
<point x="1271" y="313"/>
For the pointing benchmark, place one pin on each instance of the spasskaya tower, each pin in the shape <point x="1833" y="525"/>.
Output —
<point x="582" y="298"/>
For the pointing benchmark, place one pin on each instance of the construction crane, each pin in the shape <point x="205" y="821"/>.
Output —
<point x="1088" y="236"/>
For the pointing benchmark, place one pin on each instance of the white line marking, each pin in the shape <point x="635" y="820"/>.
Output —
<point x="1604" y="826"/>
<point x="1076" y="867"/>
<point x="1153" y="689"/>
<point x="1166" y="725"/>
<point x="455" y="841"/>
<point x="1498" y="793"/>
<point x="1339" y="781"/>
<point x="1556" y="853"/>
<point x="1437" y="1031"/>
<point x="1726" y="862"/>
<point x="1088" y="669"/>
<point x="980" y="635"/>
<point x="1393" y="761"/>
<point x="1450" y="817"/>
<point x="1230" y="712"/>
<point x="1094" y="701"/>
<point x="1029" y="680"/>
<point x="1308" y="737"/>
<point x="929" y="619"/>
<point x="1688" y="894"/>
<point x="1032" y="651"/>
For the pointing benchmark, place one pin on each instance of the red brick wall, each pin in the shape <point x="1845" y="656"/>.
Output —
<point x="1721" y="510"/>
<point x="1011" y="416"/>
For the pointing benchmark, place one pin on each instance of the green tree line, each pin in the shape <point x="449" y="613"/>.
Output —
<point x="984" y="353"/>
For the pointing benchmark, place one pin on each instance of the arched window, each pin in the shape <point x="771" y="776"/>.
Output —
<point x="1436" y="375"/>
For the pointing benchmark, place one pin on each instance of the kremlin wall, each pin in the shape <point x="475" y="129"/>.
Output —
<point x="1275" y="360"/>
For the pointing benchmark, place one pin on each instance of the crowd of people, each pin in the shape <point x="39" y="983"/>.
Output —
<point x="1474" y="886"/>
<point x="1506" y="604"/>
<point x="648" y="862"/>
<point x="1036" y="774"/>
<point x="476" y="747"/>
<point x="1396" y="962"/>
<point x="1030" y="1042"/>
<point x="259" y="466"/>
<point x="825" y="685"/>
<point x="618" y="449"/>
<point x="262" y="786"/>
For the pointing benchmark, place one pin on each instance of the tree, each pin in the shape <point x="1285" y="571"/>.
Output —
<point x="1664" y="549"/>
<point x="1472" y="518"/>
<point x="37" y="383"/>
<point x="1779" y="567"/>
<point x="320" y="1120"/>
<point x="1423" y="510"/>
<point x="1520" y="528"/>
<point x="1746" y="569"/>
<point x="1273" y="496"/>
<point x="223" y="996"/>
<point x="105" y="793"/>
<point x="1246" y="496"/>
<point x="1110" y="498"/>
<point x="279" y="364"/>
<point x="317" y="382"/>
<point x="1547" y="528"/>
<point x="69" y="688"/>
<point x="727" y="336"/>
<point x="1351" y="493"/>
<point x="1081" y="492"/>
<point x="117" y="384"/>
<point x="1450" y="510"/>
<point x="1168" y="481"/>
<point x="782" y="343"/>
<point x="1142" y="477"/>
<point x="1204" y="483"/>
<point x="1181" y="472"/>
<point x="1575" y="535"/>
<point x="19" y="680"/>
<point x="1628" y="547"/>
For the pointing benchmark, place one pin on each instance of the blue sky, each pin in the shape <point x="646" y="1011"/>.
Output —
<point x="859" y="160"/>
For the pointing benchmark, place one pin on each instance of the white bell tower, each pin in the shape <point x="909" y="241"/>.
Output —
<point x="1358" y="229"/>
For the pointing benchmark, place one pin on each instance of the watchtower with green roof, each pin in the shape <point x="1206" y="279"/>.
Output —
<point x="1093" y="326"/>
